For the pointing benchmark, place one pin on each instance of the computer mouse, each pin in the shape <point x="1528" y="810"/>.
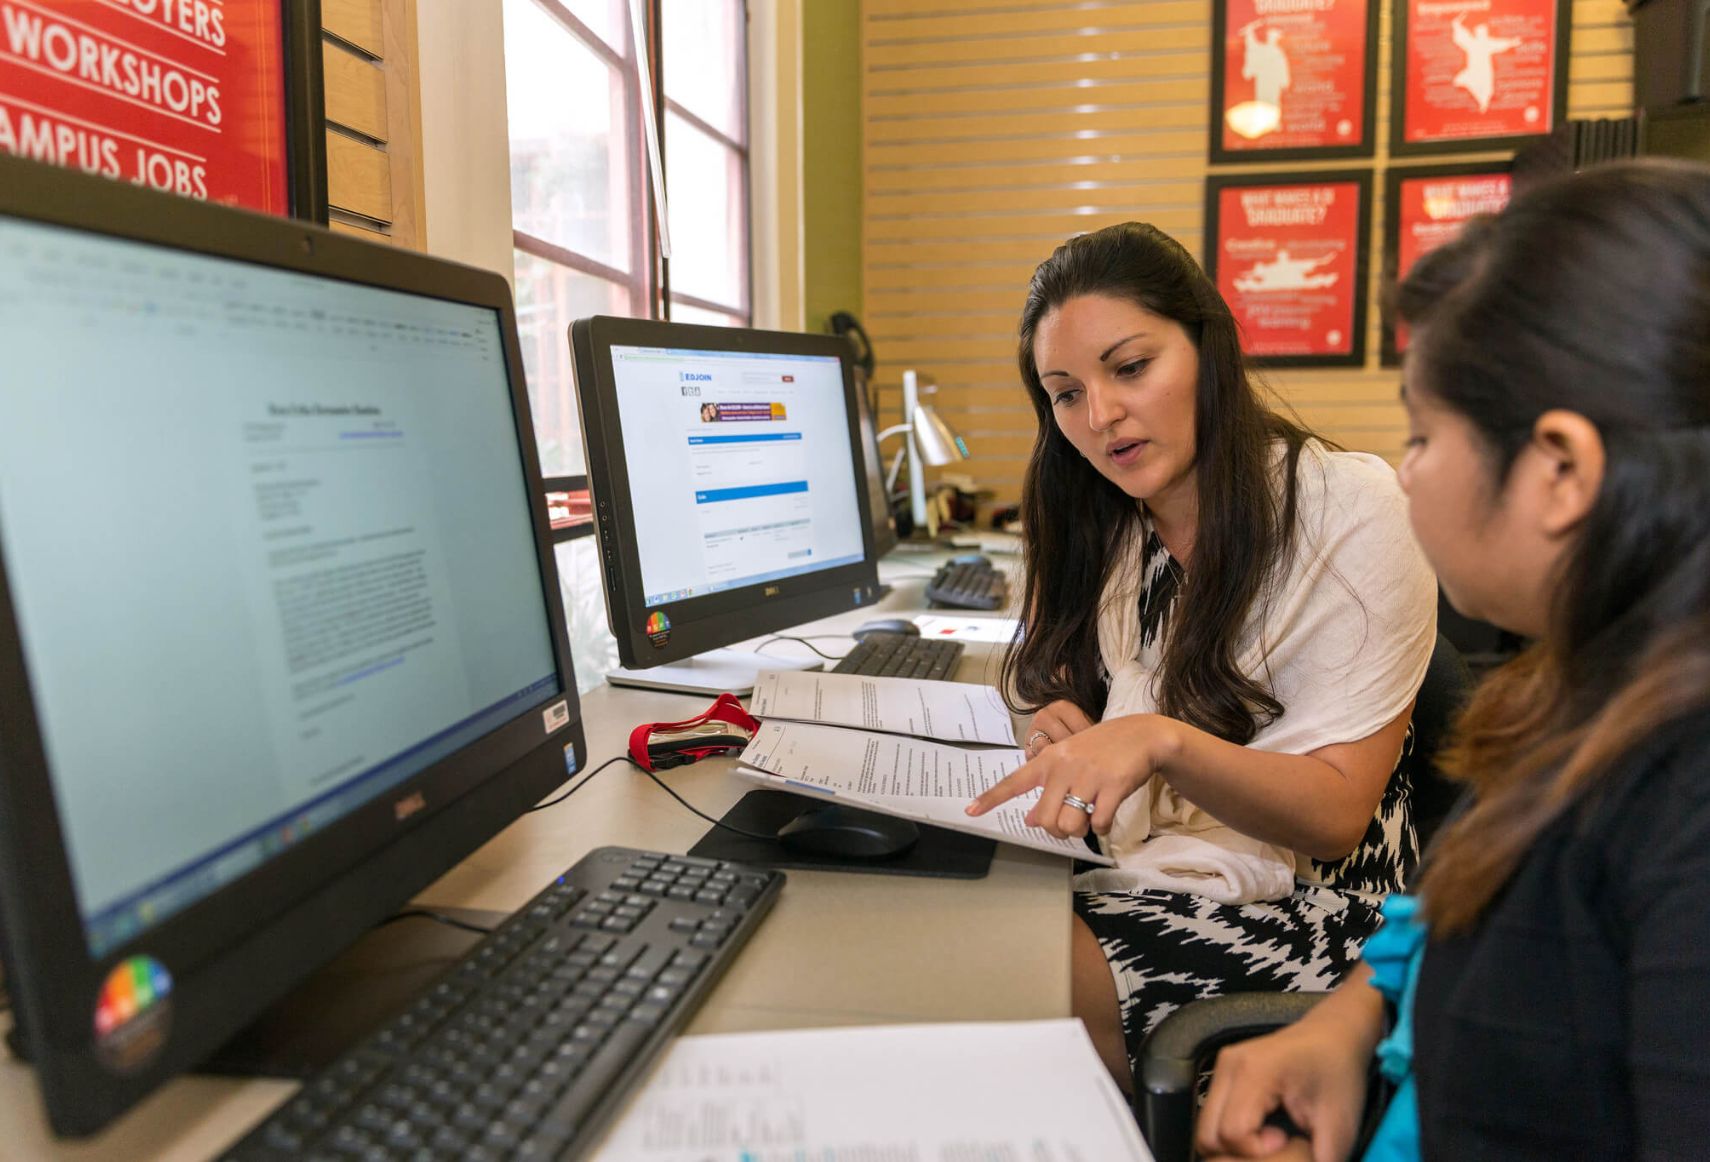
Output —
<point x="845" y="833"/>
<point x="885" y="625"/>
<point x="972" y="559"/>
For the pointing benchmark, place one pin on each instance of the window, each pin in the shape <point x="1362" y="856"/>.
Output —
<point x="706" y="160"/>
<point x="582" y="206"/>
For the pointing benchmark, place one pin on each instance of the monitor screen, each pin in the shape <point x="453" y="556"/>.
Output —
<point x="274" y="564"/>
<point x="728" y="472"/>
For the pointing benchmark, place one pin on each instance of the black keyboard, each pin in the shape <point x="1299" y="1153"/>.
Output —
<point x="968" y="586"/>
<point x="528" y="1046"/>
<point x="901" y="655"/>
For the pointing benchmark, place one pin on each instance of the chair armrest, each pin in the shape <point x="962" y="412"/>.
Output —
<point x="1183" y="1043"/>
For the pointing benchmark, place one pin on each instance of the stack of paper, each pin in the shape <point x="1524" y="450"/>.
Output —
<point x="808" y="743"/>
<point x="1030" y="1090"/>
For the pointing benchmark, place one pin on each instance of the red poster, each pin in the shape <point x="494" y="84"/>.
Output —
<point x="1479" y="69"/>
<point x="181" y="95"/>
<point x="1428" y="210"/>
<point x="1294" y="75"/>
<point x="1288" y="262"/>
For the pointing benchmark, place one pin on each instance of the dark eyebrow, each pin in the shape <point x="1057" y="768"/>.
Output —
<point x="1103" y="355"/>
<point x="1120" y="342"/>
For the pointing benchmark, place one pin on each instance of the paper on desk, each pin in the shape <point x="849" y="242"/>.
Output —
<point x="953" y="711"/>
<point x="928" y="782"/>
<point x="1020" y="1089"/>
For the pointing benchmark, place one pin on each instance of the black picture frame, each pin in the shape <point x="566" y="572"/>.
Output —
<point x="305" y="110"/>
<point x="1398" y="144"/>
<point x="1364" y="148"/>
<point x="1388" y="354"/>
<point x="1362" y="178"/>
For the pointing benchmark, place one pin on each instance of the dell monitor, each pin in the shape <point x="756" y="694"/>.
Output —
<point x="730" y="499"/>
<point x="280" y="640"/>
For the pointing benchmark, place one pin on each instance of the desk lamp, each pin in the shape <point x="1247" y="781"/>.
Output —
<point x="929" y="437"/>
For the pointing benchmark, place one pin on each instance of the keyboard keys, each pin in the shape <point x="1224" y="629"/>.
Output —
<point x="517" y="1052"/>
<point x="898" y="655"/>
<point x="968" y="585"/>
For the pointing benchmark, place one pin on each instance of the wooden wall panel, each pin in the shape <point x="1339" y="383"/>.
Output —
<point x="995" y="129"/>
<point x="373" y="102"/>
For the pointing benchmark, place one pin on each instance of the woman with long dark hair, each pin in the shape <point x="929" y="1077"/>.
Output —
<point x="1225" y="623"/>
<point x="1558" y="987"/>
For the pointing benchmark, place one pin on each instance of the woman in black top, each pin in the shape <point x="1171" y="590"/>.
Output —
<point x="1558" y="472"/>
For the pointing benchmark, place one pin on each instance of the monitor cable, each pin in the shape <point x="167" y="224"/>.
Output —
<point x="437" y="917"/>
<point x="623" y="758"/>
<point x="454" y="922"/>
<point x="787" y="637"/>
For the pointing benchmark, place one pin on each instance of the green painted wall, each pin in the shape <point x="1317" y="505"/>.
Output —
<point x="831" y="159"/>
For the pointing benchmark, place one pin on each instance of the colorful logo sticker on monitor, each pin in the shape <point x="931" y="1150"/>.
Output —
<point x="133" y="1014"/>
<point x="658" y="629"/>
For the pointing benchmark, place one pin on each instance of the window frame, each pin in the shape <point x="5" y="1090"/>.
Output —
<point x="743" y="311"/>
<point x="640" y="280"/>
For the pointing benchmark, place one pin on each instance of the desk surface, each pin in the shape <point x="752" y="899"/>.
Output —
<point x="838" y="949"/>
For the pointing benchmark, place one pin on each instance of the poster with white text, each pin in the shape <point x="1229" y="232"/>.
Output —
<point x="1287" y="253"/>
<point x="1478" y="72"/>
<point x="187" y="96"/>
<point x="1427" y="208"/>
<point x="1293" y="79"/>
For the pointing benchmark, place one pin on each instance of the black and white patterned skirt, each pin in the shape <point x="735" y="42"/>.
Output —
<point x="1168" y="948"/>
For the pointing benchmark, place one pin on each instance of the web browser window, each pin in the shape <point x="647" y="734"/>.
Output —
<point x="748" y="451"/>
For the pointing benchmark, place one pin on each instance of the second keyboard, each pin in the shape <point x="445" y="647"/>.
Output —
<point x="967" y="585"/>
<point x="901" y="655"/>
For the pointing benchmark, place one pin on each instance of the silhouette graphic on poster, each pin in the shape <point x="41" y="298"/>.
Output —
<point x="1286" y="273"/>
<point x="1479" y="76"/>
<point x="1265" y="64"/>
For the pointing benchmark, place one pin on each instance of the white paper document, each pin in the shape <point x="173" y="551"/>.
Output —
<point x="1032" y="1090"/>
<point x="928" y="782"/>
<point x="952" y="711"/>
<point x="967" y="628"/>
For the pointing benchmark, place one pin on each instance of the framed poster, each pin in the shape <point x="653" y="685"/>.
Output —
<point x="1288" y="254"/>
<point x="1477" y="74"/>
<point x="213" y="99"/>
<point x="1426" y="207"/>
<point x="1292" y="80"/>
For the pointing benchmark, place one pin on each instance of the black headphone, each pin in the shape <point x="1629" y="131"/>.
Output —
<point x="847" y="325"/>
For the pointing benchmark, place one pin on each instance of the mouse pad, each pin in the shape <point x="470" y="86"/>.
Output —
<point x="938" y="852"/>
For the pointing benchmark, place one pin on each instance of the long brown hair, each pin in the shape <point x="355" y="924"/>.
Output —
<point x="1592" y="295"/>
<point x="1074" y="521"/>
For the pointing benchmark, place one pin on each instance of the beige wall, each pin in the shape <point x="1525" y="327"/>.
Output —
<point x="994" y="129"/>
<point x="466" y="145"/>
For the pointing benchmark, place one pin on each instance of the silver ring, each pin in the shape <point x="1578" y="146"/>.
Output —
<point x="1077" y="803"/>
<point x="1038" y="734"/>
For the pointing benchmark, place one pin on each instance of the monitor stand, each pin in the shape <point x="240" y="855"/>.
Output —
<point x="349" y="998"/>
<point x="714" y="672"/>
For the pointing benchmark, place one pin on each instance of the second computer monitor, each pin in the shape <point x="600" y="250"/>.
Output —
<point x="727" y="472"/>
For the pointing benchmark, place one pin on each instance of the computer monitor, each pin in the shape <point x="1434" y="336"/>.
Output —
<point x="279" y="634"/>
<point x="727" y="468"/>
<point x="878" y="496"/>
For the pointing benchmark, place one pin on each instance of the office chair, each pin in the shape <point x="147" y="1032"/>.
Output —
<point x="1184" y="1043"/>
